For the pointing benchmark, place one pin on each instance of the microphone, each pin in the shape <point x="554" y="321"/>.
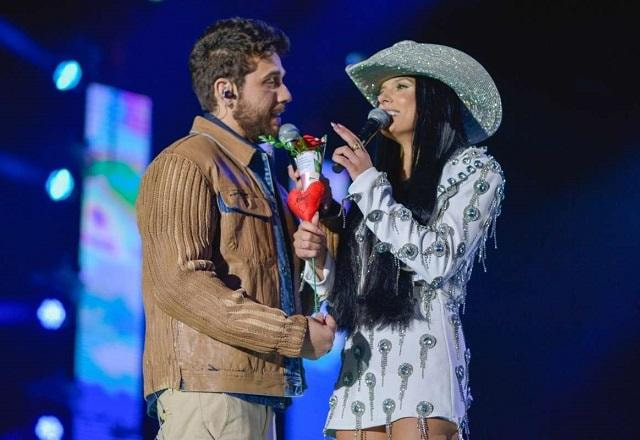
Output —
<point x="377" y="119"/>
<point x="288" y="133"/>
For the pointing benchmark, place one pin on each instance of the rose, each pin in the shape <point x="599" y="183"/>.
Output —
<point x="305" y="143"/>
<point x="312" y="141"/>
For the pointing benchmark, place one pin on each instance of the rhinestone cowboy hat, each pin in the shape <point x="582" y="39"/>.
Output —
<point x="482" y="107"/>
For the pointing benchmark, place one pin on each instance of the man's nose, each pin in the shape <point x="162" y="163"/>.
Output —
<point x="284" y="95"/>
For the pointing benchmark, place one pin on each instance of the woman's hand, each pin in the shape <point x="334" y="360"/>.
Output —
<point x="352" y="156"/>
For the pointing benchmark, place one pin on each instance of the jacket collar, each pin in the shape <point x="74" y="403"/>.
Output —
<point x="236" y="146"/>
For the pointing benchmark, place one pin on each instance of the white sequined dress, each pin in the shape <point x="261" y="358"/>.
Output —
<point x="422" y="370"/>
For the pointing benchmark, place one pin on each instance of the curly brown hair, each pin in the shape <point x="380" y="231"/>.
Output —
<point x="228" y="49"/>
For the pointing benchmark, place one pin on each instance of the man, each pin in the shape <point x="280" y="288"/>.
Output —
<point x="224" y="335"/>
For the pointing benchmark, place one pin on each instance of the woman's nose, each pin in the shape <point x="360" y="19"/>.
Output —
<point x="383" y="98"/>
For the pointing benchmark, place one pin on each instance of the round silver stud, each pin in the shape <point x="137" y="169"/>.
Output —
<point x="388" y="406"/>
<point x="471" y="213"/>
<point x="357" y="408"/>
<point x="462" y="248"/>
<point x="481" y="186"/>
<point x="405" y="370"/>
<point x="428" y="341"/>
<point x="370" y="380"/>
<point x="384" y="346"/>
<point x="424" y="408"/>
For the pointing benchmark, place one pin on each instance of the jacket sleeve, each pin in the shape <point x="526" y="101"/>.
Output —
<point x="469" y="199"/>
<point x="178" y="220"/>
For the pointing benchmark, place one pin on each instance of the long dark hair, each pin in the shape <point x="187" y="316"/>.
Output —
<point x="386" y="296"/>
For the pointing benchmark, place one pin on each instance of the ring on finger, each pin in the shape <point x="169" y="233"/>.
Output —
<point x="356" y="145"/>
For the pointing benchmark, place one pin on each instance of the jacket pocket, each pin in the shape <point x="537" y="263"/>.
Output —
<point x="246" y="225"/>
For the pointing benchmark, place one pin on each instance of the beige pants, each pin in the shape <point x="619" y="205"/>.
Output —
<point x="212" y="416"/>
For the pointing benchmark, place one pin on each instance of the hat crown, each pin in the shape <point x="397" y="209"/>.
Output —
<point x="482" y="106"/>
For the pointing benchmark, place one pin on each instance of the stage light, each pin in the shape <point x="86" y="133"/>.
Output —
<point x="51" y="314"/>
<point x="353" y="57"/>
<point x="60" y="184"/>
<point x="49" y="428"/>
<point x="67" y="75"/>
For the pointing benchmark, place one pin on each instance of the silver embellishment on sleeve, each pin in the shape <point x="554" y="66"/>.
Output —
<point x="471" y="213"/>
<point x="409" y="251"/>
<point x="355" y="197"/>
<point x="436" y="283"/>
<point x="370" y="381"/>
<point x="439" y="248"/>
<point x="427" y="295"/>
<point x="361" y="232"/>
<point x="481" y="186"/>
<point x="452" y="190"/>
<point x="462" y="248"/>
<point x="375" y="216"/>
<point x="455" y="325"/>
<point x="405" y="371"/>
<point x="384" y="347"/>
<point x="467" y="360"/>
<point x="404" y="214"/>
<point x="388" y="407"/>
<point x="427" y="342"/>
<point x="382" y="180"/>
<point x="381" y="247"/>
<point x="460" y="376"/>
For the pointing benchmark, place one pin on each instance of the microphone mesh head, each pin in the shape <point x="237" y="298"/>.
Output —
<point x="288" y="133"/>
<point x="381" y="116"/>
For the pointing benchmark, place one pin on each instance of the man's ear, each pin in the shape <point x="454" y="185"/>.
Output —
<point x="224" y="89"/>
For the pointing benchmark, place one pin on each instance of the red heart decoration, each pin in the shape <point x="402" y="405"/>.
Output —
<point x="305" y="203"/>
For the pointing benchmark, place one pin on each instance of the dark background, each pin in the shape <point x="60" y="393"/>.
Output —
<point x="553" y="324"/>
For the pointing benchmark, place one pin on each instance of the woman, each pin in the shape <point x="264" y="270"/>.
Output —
<point x="420" y="216"/>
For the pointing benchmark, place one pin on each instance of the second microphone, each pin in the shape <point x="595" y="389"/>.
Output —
<point x="377" y="119"/>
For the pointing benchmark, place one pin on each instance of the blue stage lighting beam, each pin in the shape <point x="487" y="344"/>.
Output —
<point x="19" y="43"/>
<point x="18" y="170"/>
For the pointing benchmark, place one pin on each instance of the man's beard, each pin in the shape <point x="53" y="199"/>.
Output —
<point x="254" y="122"/>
